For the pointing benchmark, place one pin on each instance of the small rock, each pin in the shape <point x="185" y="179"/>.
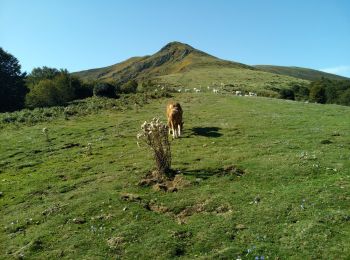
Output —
<point x="172" y="189"/>
<point x="222" y="209"/>
<point x="240" y="227"/>
<point x="115" y="242"/>
<point x="130" y="197"/>
<point x="160" y="187"/>
<point x="79" y="220"/>
<point x="182" y="234"/>
<point x="1" y="194"/>
<point x="125" y="208"/>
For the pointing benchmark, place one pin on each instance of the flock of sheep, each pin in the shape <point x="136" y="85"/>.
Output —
<point x="213" y="89"/>
<point x="217" y="91"/>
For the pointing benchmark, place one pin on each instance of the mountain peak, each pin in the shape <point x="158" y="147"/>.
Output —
<point x="176" y="45"/>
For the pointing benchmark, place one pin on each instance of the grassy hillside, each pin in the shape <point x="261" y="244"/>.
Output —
<point x="172" y="58"/>
<point x="182" y="65"/>
<point x="61" y="199"/>
<point x="263" y="83"/>
<point x="107" y="72"/>
<point x="301" y="73"/>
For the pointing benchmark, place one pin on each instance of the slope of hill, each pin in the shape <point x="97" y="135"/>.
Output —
<point x="62" y="198"/>
<point x="172" y="58"/>
<point x="182" y="65"/>
<point x="301" y="73"/>
<point x="107" y="72"/>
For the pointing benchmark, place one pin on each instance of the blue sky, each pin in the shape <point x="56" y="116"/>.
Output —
<point x="80" y="35"/>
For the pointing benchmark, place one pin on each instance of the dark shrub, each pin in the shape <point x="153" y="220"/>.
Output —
<point x="300" y="92"/>
<point x="103" y="89"/>
<point x="287" y="94"/>
<point x="129" y="87"/>
<point x="318" y="94"/>
<point x="345" y="98"/>
<point x="84" y="90"/>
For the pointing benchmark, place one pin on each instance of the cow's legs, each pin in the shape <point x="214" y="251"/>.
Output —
<point x="169" y="127"/>
<point x="179" y="130"/>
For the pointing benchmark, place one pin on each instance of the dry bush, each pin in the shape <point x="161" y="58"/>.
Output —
<point x="155" y="135"/>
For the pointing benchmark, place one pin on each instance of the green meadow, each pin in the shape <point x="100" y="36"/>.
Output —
<point x="257" y="177"/>
<point x="261" y="82"/>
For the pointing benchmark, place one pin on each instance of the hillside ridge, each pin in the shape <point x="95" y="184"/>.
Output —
<point x="174" y="57"/>
<point x="177" y="57"/>
<point x="299" y="72"/>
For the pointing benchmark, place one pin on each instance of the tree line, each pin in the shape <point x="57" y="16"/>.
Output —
<point x="45" y="87"/>
<point x="323" y="91"/>
<point x="326" y="91"/>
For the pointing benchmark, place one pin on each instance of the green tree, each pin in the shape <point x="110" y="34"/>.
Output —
<point x="55" y="91"/>
<point x="287" y="94"/>
<point x="300" y="92"/>
<point x="39" y="74"/>
<point x="317" y="93"/>
<point x="345" y="97"/>
<point x="12" y="86"/>
<point x="331" y="94"/>
<point x="129" y="87"/>
<point x="43" y="94"/>
<point x="66" y="90"/>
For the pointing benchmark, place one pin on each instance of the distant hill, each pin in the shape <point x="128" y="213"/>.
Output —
<point x="301" y="73"/>
<point x="182" y="65"/>
<point x="175" y="57"/>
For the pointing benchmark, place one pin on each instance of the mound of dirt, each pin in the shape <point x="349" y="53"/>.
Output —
<point x="115" y="242"/>
<point x="160" y="183"/>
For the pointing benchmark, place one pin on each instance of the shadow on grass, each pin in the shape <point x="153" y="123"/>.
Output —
<point x="230" y="170"/>
<point x="206" y="131"/>
<point x="201" y="173"/>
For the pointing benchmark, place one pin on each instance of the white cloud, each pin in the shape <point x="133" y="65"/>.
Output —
<point x="339" y="70"/>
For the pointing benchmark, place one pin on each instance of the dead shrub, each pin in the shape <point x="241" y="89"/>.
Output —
<point x="155" y="135"/>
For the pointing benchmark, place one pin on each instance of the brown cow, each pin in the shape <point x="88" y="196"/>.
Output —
<point x="174" y="115"/>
